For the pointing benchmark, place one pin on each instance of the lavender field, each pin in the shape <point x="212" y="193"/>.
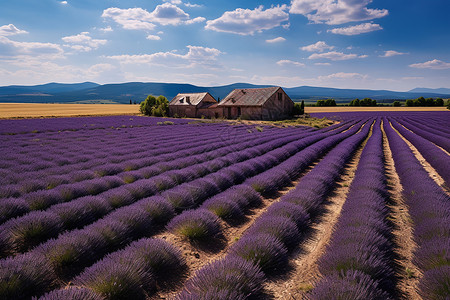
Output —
<point x="129" y="207"/>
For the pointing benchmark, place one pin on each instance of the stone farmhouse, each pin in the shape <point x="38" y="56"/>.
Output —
<point x="253" y="104"/>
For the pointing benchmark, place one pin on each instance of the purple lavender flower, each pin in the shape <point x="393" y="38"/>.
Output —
<point x="232" y="276"/>
<point x="195" y="224"/>
<point x="72" y="293"/>
<point x="263" y="250"/>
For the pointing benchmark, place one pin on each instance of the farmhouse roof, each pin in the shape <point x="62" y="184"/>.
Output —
<point x="188" y="98"/>
<point x="248" y="97"/>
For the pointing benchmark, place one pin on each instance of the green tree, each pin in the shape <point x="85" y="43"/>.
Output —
<point x="429" y="102"/>
<point x="330" y="102"/>
<point x="396" y="103"/>
<point x="320" y="103"/>
<point x="157" y="107"/>
<point x="302" y="107"/>
<point x="355" y="102"/>
<point x="448" y="104"/>
<point x="438" y="102"/>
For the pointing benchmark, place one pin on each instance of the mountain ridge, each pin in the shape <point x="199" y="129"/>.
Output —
<point x="138" y="91"/>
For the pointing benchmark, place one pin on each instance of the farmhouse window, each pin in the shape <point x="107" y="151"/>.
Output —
<point x="280" y="96"/>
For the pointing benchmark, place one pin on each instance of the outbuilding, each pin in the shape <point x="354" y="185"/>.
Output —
<point x="270" y="103"/>
<point x="192" y="105"/>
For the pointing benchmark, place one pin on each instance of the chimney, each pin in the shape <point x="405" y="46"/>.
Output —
<point x="188" y="100"/>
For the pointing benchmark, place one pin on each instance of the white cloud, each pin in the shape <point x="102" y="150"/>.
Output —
<point x="106" y="29"/>
<point x="334" y="12"/>
<point x="192" y="5"/>
<point x="413" y="78"/>
<point x="342" y="75"/>
<point x="10" y="29"/>
<point x="286" y="62"/>
<point x="132" y="18"/>
<point x="9" y="48"/>
<point x="434" y="64"/>
<point x="153" y="37"/>
<point x="322" y="64"/>
<point x="63" y="2"/>
<point x="247" y="21"/>
<point x="317" y="47"/>
<point x="141" y="19"/>
<point x="334" y="55"/>
<point x="276" y="40"/>
<point x="83" y="42"/>
<point x="196" y="56"/>
<point x="357" y="29"/>
<point x="391" y="53"/>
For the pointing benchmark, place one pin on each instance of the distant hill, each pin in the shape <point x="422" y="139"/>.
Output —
<point x="426" y="90"/>
<point x="138" y="91"/>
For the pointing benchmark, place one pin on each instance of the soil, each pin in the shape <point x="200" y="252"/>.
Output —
<point x="407" y="273"/>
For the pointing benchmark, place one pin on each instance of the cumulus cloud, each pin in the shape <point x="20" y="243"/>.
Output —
<point x="357" y="29"/>
<point x="334" y="12"/>
<point x="276" y="40"/>
<point x="196" y="56"/>
<point x="320" y="46"/>
<point x="153" y="37"/>
<point x="63" y="2"/>
<point x="434" y="64"/>
<point x="141" y="19"/>
<point x="286" y="62"/>
<point x="10" y="29"/>
<point x="334" y="55"/>
<point x="391" y="53"/>
<point x="247" y="22"/>
<point x="9" y="48"/>
<point x="83" y="42"/>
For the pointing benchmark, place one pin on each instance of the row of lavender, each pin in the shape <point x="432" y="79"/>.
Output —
<point x="178" y="157"/>
<point x="264" y="247"/>
<point x="119" y="152"/>
<point x="201" y="223"/>
<point x="13" y="127"/>
<point x="76" y="213"/>
<point x="429" y="207"/>
<point x="358" y="263"/>
<point x="69" y="253"/>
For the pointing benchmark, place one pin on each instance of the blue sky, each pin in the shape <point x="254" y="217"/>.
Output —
<point x="379" y="44"/>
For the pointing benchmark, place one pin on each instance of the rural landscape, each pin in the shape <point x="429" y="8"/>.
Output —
<point x="225" y="150"/>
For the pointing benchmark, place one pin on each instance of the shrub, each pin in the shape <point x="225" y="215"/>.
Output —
<point x="72" y="293"/>
<point x="290" y="210"/>
<point x="159" y="209"/>
<point x="195" y="224"/>
<point x="435" y="283"/>
<point x="159" y="257"/>
<point x="25" y="276"/>
<point x="12" y="207"/>
<point x="26" y="232"/>
<point x="113" y="280"/>
<point x="279" y="227"/>
<point x="230" y="276"/>
<point x="348" y="285"/>
<point x="223" y="208"/>
<point x="263" y="250"/>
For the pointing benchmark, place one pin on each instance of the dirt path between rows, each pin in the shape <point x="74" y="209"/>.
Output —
<point x="407" y="273"/>
<point x="303" y="263"/>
